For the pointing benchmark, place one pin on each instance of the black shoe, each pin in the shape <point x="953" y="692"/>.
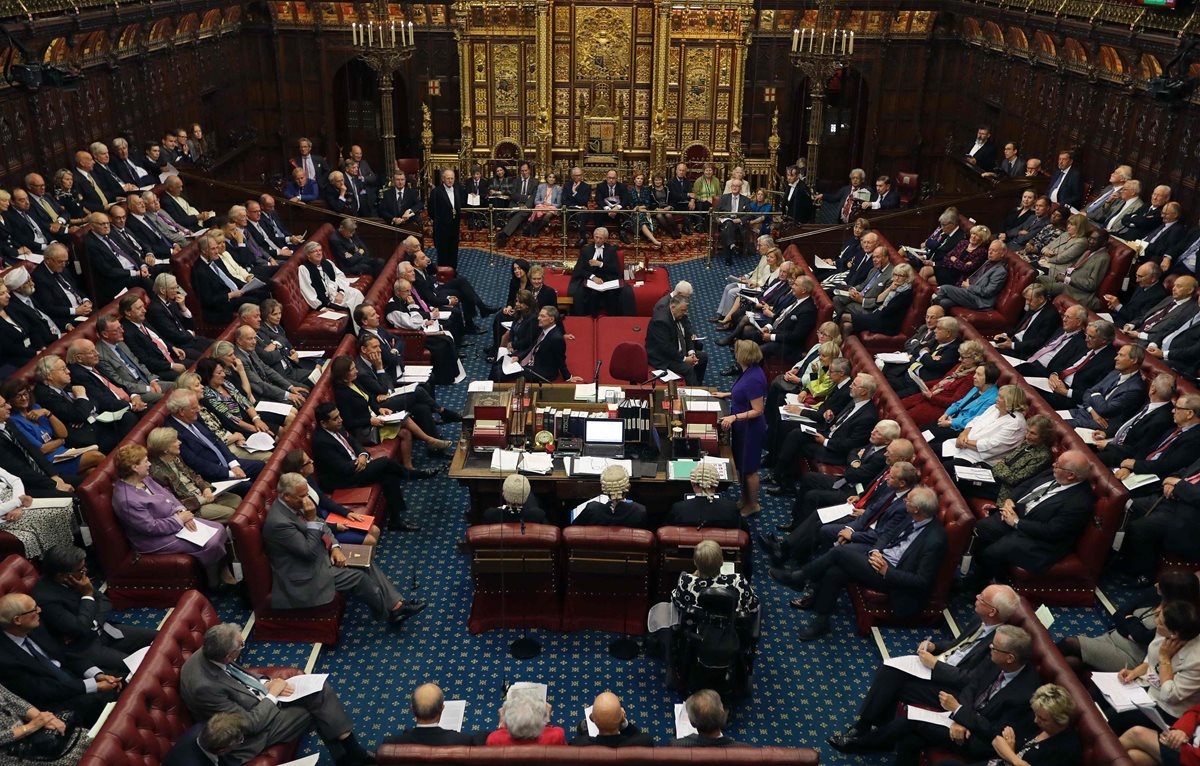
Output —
<point x="728" y="340"/>
<point x="486" y="310"/>
<point x="400" y="525"/>
<point x="818" y="628"/>
<point x="501" y="239"/>
<point x="730" y="372"/>
<point x="449" y="415"/>
<point x="847" y="741"/>
<point x="407" y="609"/>
<point x="785" y="528"/>
<point x="780" y="489"/>
<point x="1142" y="581"/>
<point x="803" y="602"/>
<point x="728" y="260"/>
<point x="624" y="237"/>
<point x="425" y="473"/>
<point x="792" y="578"/>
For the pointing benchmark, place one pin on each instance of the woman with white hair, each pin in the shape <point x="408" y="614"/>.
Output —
<point x="525" y="718"/>
<point x="996" y="431"/>
<point x="708" y="560"/>
<point x="766" y="270"/>
<point x="612" y="508"/>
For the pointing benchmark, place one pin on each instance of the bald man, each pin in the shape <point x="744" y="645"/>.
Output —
<point x="613" y="728"/>
<point x="427" y="705"/>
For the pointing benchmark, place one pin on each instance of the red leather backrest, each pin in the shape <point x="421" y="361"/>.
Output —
<point x="608" y="538"/>
<point x="181" y="266"/>
<point x="1120" y="264"/>
<point x="1010" y="302"/>
<point x="285" y="285"/>
<point x="626" y="756"/>
<point x="17" y="575"/>
<point x="513" y="536"/>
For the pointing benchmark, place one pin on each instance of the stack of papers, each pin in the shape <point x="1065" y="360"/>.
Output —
<point x="453" y="712"/>
<point x="911" y="664"/>
<point x="666" y="376"/>
<point x="537" y="462"/>
<point x="929" y="716"/>
<point x="603" y="287"/>
<point x="277" y="408"/>
<point x="594" y="466"/>
<point x="1135" y="480"/>
<point x="590" y="392"/>
<point x="329" y="314"/>
<point x="198" y="536"/>
<point x="479" y="386"/>
<point x="396" y="417"/>
<point x="683" y="724"/>
<point x="894" y="357"/>
<point x="416" y="373"/>
<point x="832" y="513"/>
<point x="1121" y="696"/>
<point x="1042" y="383"/>
<point x="259" y="442"/>
<point x="505" y="460"/>
<point x="975" y="473"/>
<point x="1086" y="435"/>
<point x="784" y="414"/>
<point x="311" y="354"/>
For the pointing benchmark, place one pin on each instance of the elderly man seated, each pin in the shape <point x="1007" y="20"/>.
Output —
<point x="524" y="719"/>
<point x="323" y="285"/>
<point x="708" y="715"/>
<point x="980" y="289"/>
<point x="427" y="704"/>
<point x="613" y="729"/>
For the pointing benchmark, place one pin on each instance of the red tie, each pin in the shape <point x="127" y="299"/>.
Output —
<point x="158" y="343"/>
<point x="1165" y="443"/>
<point x="1078" y="365"/>
<point x="1193" y="479"/>
<point x="345" y="444"/>
<point x="866" y="497"/>
<point x="116" y="391"/>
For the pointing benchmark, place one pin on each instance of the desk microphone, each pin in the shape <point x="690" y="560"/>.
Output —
<point x="596" y="378"/>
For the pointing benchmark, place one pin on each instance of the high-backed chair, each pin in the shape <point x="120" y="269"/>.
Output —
<point x="629" y="363"/>
<point x="677" y="545"/>
<point x="1009" y="304"/>
<point x="909" y="186"/>
<point x="516" y="569"/>
<point x="607" y="584"/>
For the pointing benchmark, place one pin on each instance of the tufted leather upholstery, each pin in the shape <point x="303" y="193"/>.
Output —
<point x="517" y="574"/>
<point x="676" y="545"/>
<point x="182" y="264"/>
<point x="1120" y="266"/>
<point x="608" y="574"/>
<point x="303" y="324"/>
<point x="1009" y="304"/>
<point x="922" y="296"/>
<point x="625" y="756"/>
<point x="150" y="716"/>
<point x="1072" y="581"/>
<point x="872" y="607"/>
<point x="17" y="575"/>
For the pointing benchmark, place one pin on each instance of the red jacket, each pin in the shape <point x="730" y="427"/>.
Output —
<point x="1189" y="754"/>
<point x="551" y="735"/>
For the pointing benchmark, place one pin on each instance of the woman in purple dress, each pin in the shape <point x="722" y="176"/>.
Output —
<point x="152" y="516"/>
<point x="746" y="419"/>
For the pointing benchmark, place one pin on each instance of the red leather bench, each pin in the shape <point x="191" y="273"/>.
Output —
<point x="303" y="325"/>
<point x="17" y="575"/>
<point x="182" y="264"/>
<point x="625" y="756"/>
<point x="150" y="715"/>
<point x="677" y="545"/>
<point x="608" y="575"/>
<point x="654" y="284"/>
<point x="1009" y="304"/>
<point x="581" y="352"/>
<point x="517" y="572"/>
<point x="1072" y="581"/>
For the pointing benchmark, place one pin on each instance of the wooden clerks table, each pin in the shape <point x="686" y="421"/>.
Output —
<point x="558" y="492"/>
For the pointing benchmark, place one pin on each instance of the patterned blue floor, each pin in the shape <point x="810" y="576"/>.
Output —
<point x="802" y="692"/>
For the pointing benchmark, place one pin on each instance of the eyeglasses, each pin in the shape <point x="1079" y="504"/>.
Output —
<point x="31" y="611"/>
<point x="995" y="648"/>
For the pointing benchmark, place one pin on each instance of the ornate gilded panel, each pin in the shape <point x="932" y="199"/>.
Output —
<point x="562" y="63"/>
<point x="562" y="19"/>
<point x="641" y="133"/>
<point x="698" y="82"/>
<point x="641" y="103"/>
<point x="645" y="21"/>
<point x="480" y="58"/>
<point x="562" y="101"/>
<point x="505" y="78"/>
<point x="723" y="107"/>
<point x="726" y="65"/>
<point x="481" y="133"/>
<point x="673" y="65"/>
<point x="603" y="42"/>
<point x="581" y="100"/>
<point x="562" y="132"/>
<point x="481" y="102"/>
<point x="642" y="64"/>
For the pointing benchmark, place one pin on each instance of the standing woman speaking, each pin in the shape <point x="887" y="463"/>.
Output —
<point x="746" y="421"/>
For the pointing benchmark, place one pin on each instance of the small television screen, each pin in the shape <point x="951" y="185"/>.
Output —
<point x="1160" y="3"/>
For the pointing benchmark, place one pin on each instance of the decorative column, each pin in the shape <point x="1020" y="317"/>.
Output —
<point x="659" y="87"/>
<point x="544" y="132"/>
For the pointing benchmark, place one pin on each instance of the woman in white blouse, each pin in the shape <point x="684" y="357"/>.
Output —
<point x="767" y="269"/>
<point x="996" y="431"/>
<point x="1170" y="672"/>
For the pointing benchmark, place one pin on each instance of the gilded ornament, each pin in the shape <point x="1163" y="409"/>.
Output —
<point x="698" y="82"/>
<point x="506" y="82"/>
<point x="602" y="37"/>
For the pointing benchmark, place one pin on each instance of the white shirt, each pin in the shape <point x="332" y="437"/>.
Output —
<point x="995" y="435"/>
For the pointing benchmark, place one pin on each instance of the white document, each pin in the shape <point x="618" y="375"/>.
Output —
<point x="927" y="435"/>
<point x="510" y="366"/>
<point x="473" y="201"/>
<point x="1044" y="616"/>
<point x="506" y="325"/>
<point x="794" y="417"/>
<point x="33" y="258"/>
<point x="253" y="284"/>
<point x="720" y="463"/>
<point x="1064" y="414"/>
<point x="505" y="460"/>
<point x="821" y="263"/>
<point x="279" y="408"/>
<point x="705" y="405"/>
<point x="453" y="713"/>
<point x="911" y="664"/>
<point x="308" y="760"/>
<point x="666" y="376"/>
<point x="112" y="417"/>
<point x="134" y="661"/>
<point x="594" y="466"/>
<point x="224" y="486"/>
<point x="683" y="724"/>
<point x="894" y="357"/>
<point x="603" y="287"/>
<point x="832" y="513"/>
<point x="396" y="417"/>
<point x="692" y="392"/>
<point x="929" y="716"/>
<point x="332" y="315"/>
<point x="259" y="442"/>
<point x="1086" y="435"/>
<point x="479" y="386"/>
<point x="304" y="685"/>
<point x="407" y="388"/>
<point x="1122" y="696"/>
<point x="1012" y="360"/>
<point x="949" y="449"/>
<point x="975" y="473"/>
<point x="537" y="462"/>
<point x="587" y="392"/>
<point x="1042" y="383"/>
<point x="593" y="729"/>
<point x="1135" y="480"/>
<point x="311" y="354"/>
<point x="198" y="536"/>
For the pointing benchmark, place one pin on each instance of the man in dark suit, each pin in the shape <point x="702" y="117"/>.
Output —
<point x="342" y="462"/>
<point x="982" y="153"/>
<point x="930" y="362"/>
<point x="708" y="715"/>
<point x="127" y="169"/>
<point x="314" y="165"/>
<point x="996" y="696"/>
<point x="1069" y="378"/>
<point x="840" y="374"/>
<point x="35" y="667"/>
<point x="351" y="252"/>
<point x="1037" y="325"/>
<point x="209" y="743"/>
<point x="1139" y="223"/>
<point x="1062" y="349"/>
<point x="797" y="197"/>
<point x="212" y="682"/>
<point x="406" y="312"/>
<point x="200" y="449"/>
<point x="597" y="263"/>
<point x="786" y="336"/>
<point x="179" y="209"/>
<point x="83" y="361"/>
<point x="162" y="359"/>
<point x="1148" y="292"/>
<point x="58" y="294"/>
<point x="27" y="230"/>
<point x="1116" y="396"/>
<point x="1010" y="165"/>
<point x="704" y="507"/>
<point x="951" y="663"/>
<point x="1165" y="240"/>
<point x="427" y="705"/>
<point x="40" y="328"/>
<point x="1066" y="185"/>
<point x="1167" y="315"/>
<point x="611" y="198"/>
<point x="88" y="185"/>
<point x="1039" y="524"/>
<point x="902" y="564"/>
<point x="832" y="441"/>
<point x="46" y="209"/>
<point x="886" y="197"/>
<point x="263" y="212"/>
<point x="523" y="196"/>
<point x="401" y="202"/>
<point x="613" y="728"/>
<point x="219" y="292"/>
<point x="546" y="360"/>
<point x="77" y="614"/>
<point x="1139" y="433"/>
<point x="847" y="204"/>
<point x="112" y="267"/>
<point x="69" y="403"/>
<point x="1170" y="529"/>
<point x="670" y="344"/>
<point x="1183" y="256"/>
<point x="733" y="224"/>
<point x="169" y="317"/>
<point x="139" y="226"/>
<point x="681" y="198"/>
<point x="446" y="203"/>
<point x="576" y="195"/>
<point x="308" y="566"/>
<point x="1172" y="452"/>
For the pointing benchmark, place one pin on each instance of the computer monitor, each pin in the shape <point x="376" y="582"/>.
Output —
<point x="604" y="432"/>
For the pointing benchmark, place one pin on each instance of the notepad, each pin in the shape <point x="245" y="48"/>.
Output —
<point x="396" y="417"/>
<point x="832" y="513"/>
<point x="1121" y="696"/>
<point x="198" y="536"/>
<point x="683" y="724"/>
<point x="1135" y="480"/>
<point x="278" y="408"/>
<point x="505" y="460"/>
<point x="1086" y="435"/>
<point x="537" y="462"/>
<point x="911" y="664"/>
<point x="259" y="442"/>
<point x="304" y="685"/>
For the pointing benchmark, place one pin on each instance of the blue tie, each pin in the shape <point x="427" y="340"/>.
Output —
<point x="208" y="445"/>
<point x="131" y="365"/>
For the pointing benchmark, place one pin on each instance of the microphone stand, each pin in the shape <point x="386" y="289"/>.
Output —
<point x="625" y="647"/>
<point x="599" y="364"/>
<point x="525" y="647"/>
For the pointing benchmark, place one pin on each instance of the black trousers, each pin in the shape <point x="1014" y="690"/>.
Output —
<point x="839" y="566"/>
<point x="445" y="241"/>
<point x="1169" y="528"/>
<point x="390" y="476"/>
<point x="891" y="686"/>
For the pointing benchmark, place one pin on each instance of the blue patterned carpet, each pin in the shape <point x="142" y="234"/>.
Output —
<point x="802" y="692"/>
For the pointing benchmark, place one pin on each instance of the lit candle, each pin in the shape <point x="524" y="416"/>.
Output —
<point x="354" y="33"/>
<point x="822" y="43"/>
<point x="845" y="37"/>
<point x="795" y="40"/>
<point x="394" y="34"/>
<point x="412" y="40"/>
<point x="851" y="43"/>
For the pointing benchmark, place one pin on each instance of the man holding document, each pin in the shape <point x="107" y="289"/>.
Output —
<point x="599" y="266"/>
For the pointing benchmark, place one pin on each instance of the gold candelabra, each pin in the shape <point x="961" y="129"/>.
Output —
<point x="385" y="48"/>
<point x="819" y="52"/>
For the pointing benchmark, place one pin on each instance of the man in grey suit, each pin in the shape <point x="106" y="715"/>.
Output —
<point x="212" y="682"/>
<point x="1082" y="278"/>
<point x="305" y="573"/>
<point x="523" y="190"/>
<point x="733" y="224"/>
<point x="118" y="363"/>
<point x="865" y="294"/>
<point x="980" y="290"/>
<point x="265" y="382"/>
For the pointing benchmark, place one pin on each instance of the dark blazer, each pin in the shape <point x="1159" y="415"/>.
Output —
<point x="583" y="270"/>
<point x="104" y="399"/>
<point x="109" y="181"/>
<point x="946" y="245"/>
<point x="320" y="167"/>
<point x="985" y="158"/>
<point x="91" y="201"/>
<point x="434" y="736"/>
<point x="1122" y="400"/>
<point x="678" y="190"/>
<point x="395" y="202"/>
<point x="35" y="681"/>
<point x="890" y="199"/>
<point x="169" y="322"/>
<point x="546" y="296"/>
<point x="867" y="469"/>
<point x="854" y="431"/>
<point x="335" y="469"/>
<point x="35" y="327"/>
<point x="172" y="208"/>
<point x="626" y="514"/>
<point x="36" y="479"/>
<point x="800" y="207"/>
<point x="109" y="275"/>
<point x="356" y="411"/>
<point x="1138" y="305"/>
<point x="958" y="676"/>
<point x="146" y="352"/>
<point x="1090" y="374"/>
<point x="1048" y="531"/>
<point x="911" y="581"/>
<point x="1167" y="243"/>
<point x="1171" y="322"/>
<point x="601" y="193"/>
<point x="126" y="175"/>
<point x="886" y="317"/>
<point x="22" y="229"/>
<point x="38" y="212"/>
<point x="695" y="740"/>
<point x="1141" y="222"/>
<point x="1071" y="191"/>
<point x="699" y="512"/>
<point x="212" y="292"/>
<point x="662" y="344"/>
<point x="1178" y="454"/>
<point x="1007" y="707"/>
<point x="1184" y="353"/>
<point x="938" y="360"/>
<point x="630" y="736"/>
<point x="439" y="206"/>
<point x="530" y="513"/>
<point x="186" y="751"/>
<point x="550" y="358"/>
<point x="1183" y="244"/>
<point x="1044" y="325"/>
<point x="74" y="413"/>
<point x="69" y="617"/>
<point x="1148" y="432"/>
<point x="792" y="328"/>
<point x="199" y="457"/>
<point x="149" y="238"/>
<point x="573" y="196"/>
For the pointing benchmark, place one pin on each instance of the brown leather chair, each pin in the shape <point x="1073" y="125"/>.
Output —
<point x="517" y="572"/>
<point x="677" y="545"/>
<point x="529" y="755"/>
<point x="608" y="575"/>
